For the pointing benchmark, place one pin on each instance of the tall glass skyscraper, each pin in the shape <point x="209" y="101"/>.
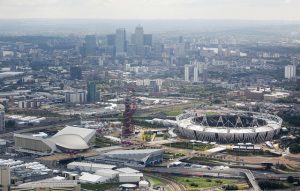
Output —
<point x="92" y="92"/>
<point x="121" y="42"/>
<point x="90" y="45"/>
<point x="139" y="40"/>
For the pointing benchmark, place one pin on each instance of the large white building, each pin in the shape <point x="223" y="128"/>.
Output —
<point x="76" y="96"/>
<point x="290" y="71"/>
<point x="68" y="140"/>
<point x="187" y="73"/>
<point x="196" y="73"/>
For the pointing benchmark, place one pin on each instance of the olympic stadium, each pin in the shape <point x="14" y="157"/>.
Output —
<point x="228" y="126"/>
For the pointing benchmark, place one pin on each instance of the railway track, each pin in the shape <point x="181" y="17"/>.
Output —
<point x="172" y="185"/>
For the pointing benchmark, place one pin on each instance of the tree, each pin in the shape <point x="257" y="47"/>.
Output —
<point x="290" y="179"/>
<point x="295" y="148"/>
<point x="231" y="187"/>
<point x="10" y="123"/>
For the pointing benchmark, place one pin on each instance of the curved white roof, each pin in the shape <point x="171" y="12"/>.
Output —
<point x="70" y="141"/>
<point x="85" y="134"/>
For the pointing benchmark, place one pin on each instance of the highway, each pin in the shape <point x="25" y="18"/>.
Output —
<point x="9" y="135"/>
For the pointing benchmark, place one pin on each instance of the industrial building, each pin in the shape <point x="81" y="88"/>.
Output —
<point x="100" y="173"/>
<point x="88" y="167"/>
<point x="49" y="185"/>
<point x="68" y="140"/>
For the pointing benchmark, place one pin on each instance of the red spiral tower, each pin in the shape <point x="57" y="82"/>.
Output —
<point x="130" y="108"/>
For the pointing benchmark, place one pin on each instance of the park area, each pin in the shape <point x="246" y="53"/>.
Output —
<point x="195" y="183"/>
<point x="191" y="146"/>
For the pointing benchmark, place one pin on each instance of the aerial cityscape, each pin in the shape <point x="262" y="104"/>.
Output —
<point x="131" y="101"/>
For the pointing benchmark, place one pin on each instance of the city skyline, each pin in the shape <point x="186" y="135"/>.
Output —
<point x="151" y="9"/>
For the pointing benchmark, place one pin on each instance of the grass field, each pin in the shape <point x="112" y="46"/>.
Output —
<point x="154" y="181"/>
<point x="172" y="155"/>
<point x="173" y="112"/>
<point x="188" y="145"/>
<point x="194" y="183"/>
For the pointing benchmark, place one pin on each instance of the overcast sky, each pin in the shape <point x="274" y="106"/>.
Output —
<point x="152" y="9"/>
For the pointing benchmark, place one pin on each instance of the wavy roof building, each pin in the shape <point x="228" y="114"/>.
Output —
<point x="68" y="140"/>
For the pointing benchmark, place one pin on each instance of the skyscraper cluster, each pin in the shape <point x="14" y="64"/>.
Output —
<point x="140" y="44"/>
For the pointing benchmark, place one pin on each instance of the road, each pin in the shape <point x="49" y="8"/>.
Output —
<point x="272" y="176"/>
<point x="9" y="135"/>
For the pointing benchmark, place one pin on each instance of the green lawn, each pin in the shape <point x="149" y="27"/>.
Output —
<point x="154" y="181"/>
<point x="252" y="153"/>
<point x="100" y="187"/>
<point x="194" y="183"/>
<point x="147" y="136"/>
<point x="104" y="142"/>
<point x="171" y="155"/>
<point x="173" y="112"/>
<point x="189" y="145"/>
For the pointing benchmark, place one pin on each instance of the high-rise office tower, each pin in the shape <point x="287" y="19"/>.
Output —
<point x="110" y="40"/>
<point x="196" y="72"/>
<point x="139" y="40"/>
<point x="290" y="71"/>
<point x="131" y="50"/>
<point x="180" y="50"/>
<point x="121" y="42"/>
<point x="2" y="121"/>
<point x="132" y="39"/>
<point x="110" y="44"/>
<point x="148" y="39"/>
<point x="92" y="92"/>
<point x="187" y="72"/>
<point x="75" y="73"/>
<point x="180" y="39"/>
<point x="157" y="50"/>
<point x="90" y="45"/>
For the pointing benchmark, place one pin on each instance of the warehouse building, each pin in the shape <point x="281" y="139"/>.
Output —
<point x="88" y="167"/>
<point x="49" y="185"/>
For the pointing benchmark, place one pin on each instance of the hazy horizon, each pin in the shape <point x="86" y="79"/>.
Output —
<point x="264" y="10"/>
<point x="102" y="26"/>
